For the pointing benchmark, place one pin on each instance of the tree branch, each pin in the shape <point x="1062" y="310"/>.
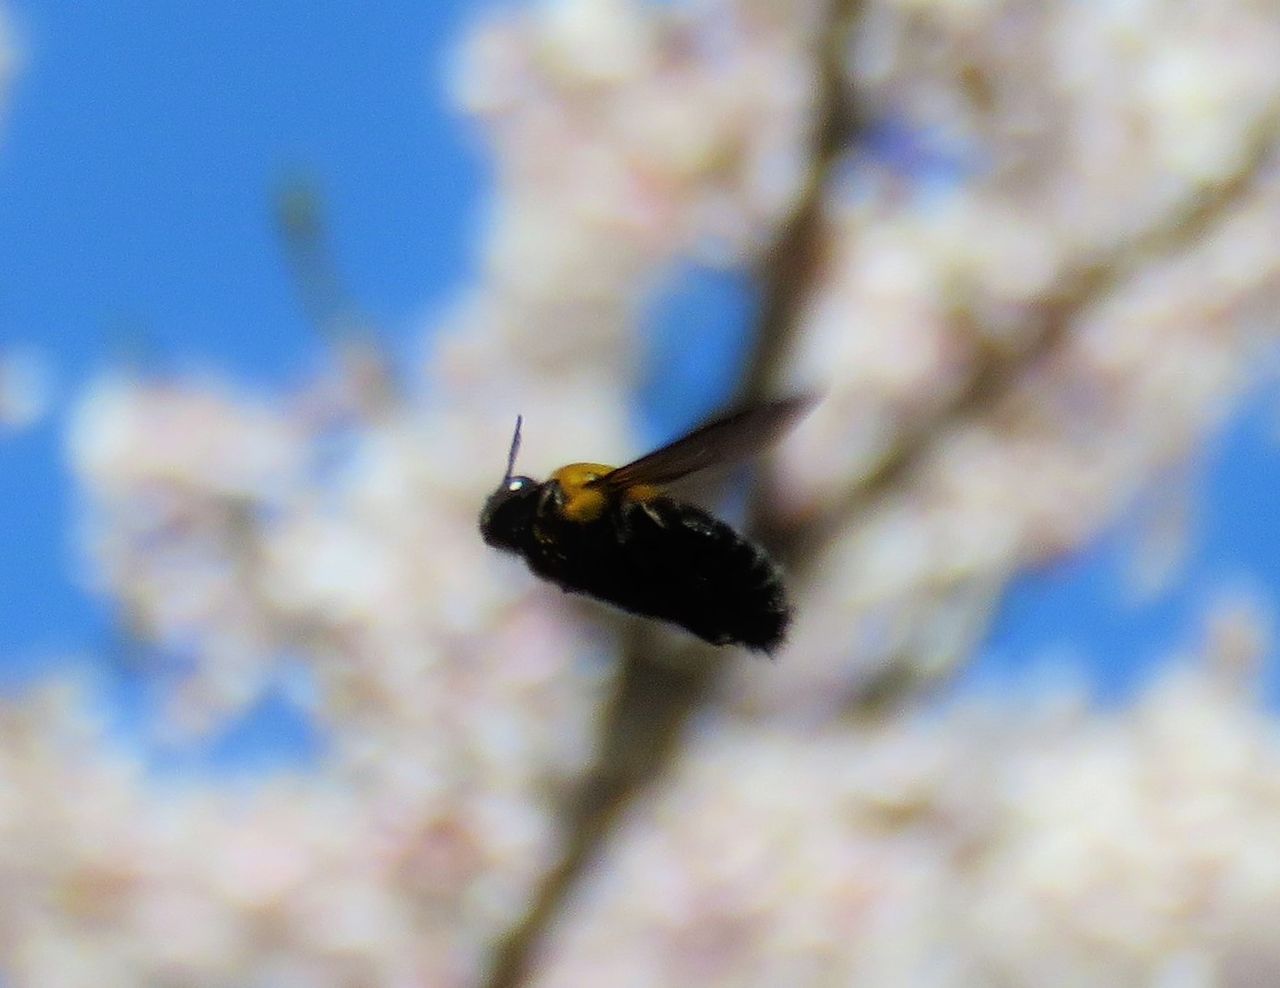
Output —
<point x="660" y="685"/>
<point x="1056" y="314"/>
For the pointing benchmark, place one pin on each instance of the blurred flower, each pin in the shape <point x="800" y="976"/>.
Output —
<point x="1077" y="398"/>
<point x="26" y="386"/>
<point x="1008" y="361"/>
<point x="9" y="58"/>
<point x="998" y="841"/>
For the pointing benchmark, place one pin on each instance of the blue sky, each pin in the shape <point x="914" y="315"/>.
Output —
<point x="137" y="167"/>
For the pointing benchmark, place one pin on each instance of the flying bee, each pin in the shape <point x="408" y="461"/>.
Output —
<point x="618" y="536"/>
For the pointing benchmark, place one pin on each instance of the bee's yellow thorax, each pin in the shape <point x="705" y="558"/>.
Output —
<point x="583" y="503"/>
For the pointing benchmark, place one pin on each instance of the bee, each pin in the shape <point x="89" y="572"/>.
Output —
<point x="616" y="534"/>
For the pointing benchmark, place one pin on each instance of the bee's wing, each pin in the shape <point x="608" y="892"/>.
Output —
<point x="734" y="437"/>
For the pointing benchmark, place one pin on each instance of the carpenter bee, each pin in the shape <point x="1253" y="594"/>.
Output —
<point x="617" y="535"/>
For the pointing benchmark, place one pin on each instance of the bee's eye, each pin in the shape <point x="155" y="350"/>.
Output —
<point x="516" y="484"/>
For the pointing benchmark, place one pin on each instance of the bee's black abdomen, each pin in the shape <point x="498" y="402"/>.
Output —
<point x="672" y="561"/>
<point x="716" y="584"/>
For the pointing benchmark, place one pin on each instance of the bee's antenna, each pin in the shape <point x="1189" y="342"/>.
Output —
<point x="515" y="450"/>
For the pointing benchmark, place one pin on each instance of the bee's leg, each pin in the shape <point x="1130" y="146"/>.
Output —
<point x="551" y="497"/>
<point x="654" y="515"/>
<point x="626" y="516"/>
<point x="621" y="519"/>
<point x="548" y="519"/>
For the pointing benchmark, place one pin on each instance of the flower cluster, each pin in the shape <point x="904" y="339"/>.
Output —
<point x="25" y="387"/>
<point x="1046" y="843"/>
<point x="1007" y="357"/>
<point x="1093" y="305"/>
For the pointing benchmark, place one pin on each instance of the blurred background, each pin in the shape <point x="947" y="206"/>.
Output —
<point x="274" y="285"/>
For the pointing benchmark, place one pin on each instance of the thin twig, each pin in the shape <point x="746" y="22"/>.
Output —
<point x="332" y="310"/>
<point x="304" y="234"/>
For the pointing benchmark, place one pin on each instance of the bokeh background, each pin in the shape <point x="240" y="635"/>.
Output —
<point x="274" y="284"/>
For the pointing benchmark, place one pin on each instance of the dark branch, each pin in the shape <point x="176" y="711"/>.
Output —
<point x="328" y="305"/>
<point x="993" y="380"/>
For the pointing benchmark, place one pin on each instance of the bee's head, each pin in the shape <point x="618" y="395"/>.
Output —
<point x="508" y="513"/>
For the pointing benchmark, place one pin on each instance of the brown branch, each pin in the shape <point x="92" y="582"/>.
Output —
<point x="304" y="235"/>
<point x="660" y="685"/>
<point x="338" y="320"/>
<point x="994" y="379"/>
